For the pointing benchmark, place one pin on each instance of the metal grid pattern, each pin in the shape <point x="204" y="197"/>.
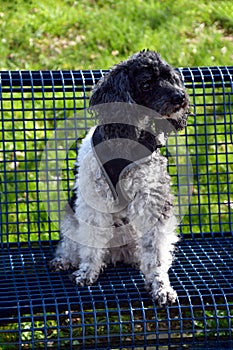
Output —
<point x="39" y="308"/>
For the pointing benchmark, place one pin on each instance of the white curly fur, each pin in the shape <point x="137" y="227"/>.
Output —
<point x="142" y="234"/>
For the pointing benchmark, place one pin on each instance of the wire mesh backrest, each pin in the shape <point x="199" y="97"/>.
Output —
<point x="209" y="139"/>
<point x="34" y="104"/>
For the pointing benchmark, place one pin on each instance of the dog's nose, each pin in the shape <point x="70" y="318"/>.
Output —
<point x="178" y="97"/>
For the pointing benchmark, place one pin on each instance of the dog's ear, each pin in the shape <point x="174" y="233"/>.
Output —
<point x="114" y="87"/>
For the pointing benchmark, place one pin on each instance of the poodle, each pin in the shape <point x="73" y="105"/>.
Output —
<point x="122" y="207"/>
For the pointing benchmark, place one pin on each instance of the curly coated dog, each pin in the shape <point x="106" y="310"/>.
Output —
<point x="121" y="209"/>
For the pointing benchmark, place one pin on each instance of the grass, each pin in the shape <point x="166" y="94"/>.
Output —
<point x="96" y="34"/>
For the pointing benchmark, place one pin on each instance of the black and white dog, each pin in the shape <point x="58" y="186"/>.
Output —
<point x="122" y="204"/>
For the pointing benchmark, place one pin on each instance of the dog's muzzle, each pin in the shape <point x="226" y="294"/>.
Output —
<point x="179" y="111"/>
<point x="179" y="123"/>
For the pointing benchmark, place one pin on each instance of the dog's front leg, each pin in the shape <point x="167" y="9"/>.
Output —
<point x="95" y="231"/>
<point x="91" y="264"/>
<point x="84" y="245"/>
<point x="155" y="252"/>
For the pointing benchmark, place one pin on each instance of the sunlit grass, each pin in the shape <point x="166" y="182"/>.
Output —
<point x="97" y="34"/>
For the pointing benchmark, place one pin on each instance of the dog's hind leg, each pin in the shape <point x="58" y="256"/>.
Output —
<point x="67" y="251"/>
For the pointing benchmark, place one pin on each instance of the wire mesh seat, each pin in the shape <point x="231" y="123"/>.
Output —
<point x="44" y="309"/>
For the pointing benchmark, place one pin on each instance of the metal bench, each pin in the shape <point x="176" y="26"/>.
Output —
<point x="44" y="309"/>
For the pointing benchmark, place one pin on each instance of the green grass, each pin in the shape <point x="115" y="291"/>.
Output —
<point x="96" y="34"/>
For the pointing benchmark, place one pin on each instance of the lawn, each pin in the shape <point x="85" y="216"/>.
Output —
<point x="66" y="34"/>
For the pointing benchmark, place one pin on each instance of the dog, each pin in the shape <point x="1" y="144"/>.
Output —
<point x="122" y="207"/>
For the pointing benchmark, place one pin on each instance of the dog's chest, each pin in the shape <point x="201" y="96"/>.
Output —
<point x="145" y="175"/>
<point x="118" y="147"/>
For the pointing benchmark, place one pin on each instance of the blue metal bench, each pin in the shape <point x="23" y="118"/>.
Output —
<point x="44" y="309"/>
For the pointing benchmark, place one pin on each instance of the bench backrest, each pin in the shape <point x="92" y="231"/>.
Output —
<point x="34" y="104"/>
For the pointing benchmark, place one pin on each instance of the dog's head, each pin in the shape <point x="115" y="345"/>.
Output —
<point x="147" y="80"/>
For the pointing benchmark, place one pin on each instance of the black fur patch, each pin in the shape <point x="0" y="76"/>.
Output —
<point x="113" y="168"/>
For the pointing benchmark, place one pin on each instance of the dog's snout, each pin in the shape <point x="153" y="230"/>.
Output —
<point x="178" y="97"/>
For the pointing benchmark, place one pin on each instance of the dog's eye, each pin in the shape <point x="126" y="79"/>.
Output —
<point x="145" y="85"/>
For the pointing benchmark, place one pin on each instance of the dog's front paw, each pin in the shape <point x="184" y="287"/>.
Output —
<point x="83" y="277"/>
<point x="164" y="295"/>
<point x="60" y="263"/>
